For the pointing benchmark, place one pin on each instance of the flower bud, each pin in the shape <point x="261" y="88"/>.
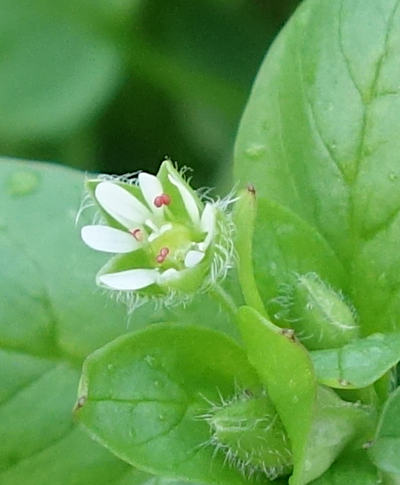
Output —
<point x="319" y="315"/>
<point x="250" y="433"/>
<point x="168" y="242"/>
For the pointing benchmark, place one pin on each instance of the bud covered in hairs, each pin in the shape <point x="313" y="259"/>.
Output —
<point x="320" y="316"/>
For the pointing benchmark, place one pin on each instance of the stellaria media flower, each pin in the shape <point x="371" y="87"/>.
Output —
<point x="169" y="242"/>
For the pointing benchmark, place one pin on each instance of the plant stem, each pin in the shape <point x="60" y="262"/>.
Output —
<point x="225" y="300"/>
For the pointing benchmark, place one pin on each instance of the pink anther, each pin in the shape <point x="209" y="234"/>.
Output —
<point x="166" y="199"/>
<point x="164" y="252"/>
<point x="137" y="234"/>
<point x="163" y="199"/>
<point x="162" y="255"/>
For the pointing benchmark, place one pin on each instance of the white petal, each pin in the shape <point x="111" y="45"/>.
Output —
<point x="207" y="225"/>
<point x="188" y="200"/>
<point x="121" y="205"/>
<point x="108" y="239"/>
<point x="133" y="279"/>
<point x="151" y="188"/>
<point x="193" y="258"/>
<point x="169" y="274"/>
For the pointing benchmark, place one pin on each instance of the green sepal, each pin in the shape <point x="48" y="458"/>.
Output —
<point x="176" y="208"/>
<point x="145" y="395"/>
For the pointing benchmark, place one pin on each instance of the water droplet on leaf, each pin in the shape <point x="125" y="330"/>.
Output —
<point x="150" y="360"/>
<point x="255" y="151"/>
<point x="23" y="182"/>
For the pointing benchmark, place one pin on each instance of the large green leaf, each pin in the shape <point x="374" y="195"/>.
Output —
<point x="51" y="316"/>
<point x="320" y="138"/>
<point x="143" y="397"/>
<point x="59" y="66"/>
<point x="358" y="364"/>
<point x="385" y="447"/>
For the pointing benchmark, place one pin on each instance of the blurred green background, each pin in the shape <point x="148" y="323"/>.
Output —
<point x="116" y="85"/>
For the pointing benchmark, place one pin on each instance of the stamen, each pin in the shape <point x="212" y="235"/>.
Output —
<point x="166" y="199"/>
<point x="163" y="199"/>
<point x="164" y="252"/>
<point x="137" y="234"/>
<point x="162" y="256"/>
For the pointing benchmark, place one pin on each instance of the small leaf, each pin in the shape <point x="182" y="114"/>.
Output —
<point x="284" y="246"/>
<point x="285" y="368"/>
<point x="385" y="448"/>
<point x="359" y="363"/>
<point x="143" y="397"/>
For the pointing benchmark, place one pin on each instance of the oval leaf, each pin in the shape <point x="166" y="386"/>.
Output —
<point x="358" y="364"/>
<point x="144" y="395"/>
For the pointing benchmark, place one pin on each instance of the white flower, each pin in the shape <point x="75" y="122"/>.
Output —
<point x="165" y="238"/>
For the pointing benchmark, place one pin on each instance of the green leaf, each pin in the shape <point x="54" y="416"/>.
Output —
<point x="51" y="317"/>
<point x="143" y="397"/>
<point x="354" y="468"/>
<point x="244" y="219"/>
<point x="337" y="426"/>
<point x="59" y="66"/>
<point x="359" y="363"/>
<point x="285" y="368"/>
<point x="319" y="137"/>
<point x="284" y="246"/>
<point x="385" y="447"/>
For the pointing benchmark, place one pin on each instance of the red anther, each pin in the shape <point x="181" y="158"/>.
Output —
<point x="164" y="252"/>
<point x="166" y="199"/>
<point x="163" y="199"/>
<point x="137" y="234"/>
<point x="158" y="201"/>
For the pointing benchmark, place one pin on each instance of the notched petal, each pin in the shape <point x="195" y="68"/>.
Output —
<point x="109" y="239"/>
<point x="121" y="205"/>
<point x="133" y="279"/>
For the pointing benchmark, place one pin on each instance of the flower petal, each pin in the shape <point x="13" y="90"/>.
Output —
<point x="121" y="205"/>
<point x="108" y="239"/>
<point x="207" y="224"/>
<point x="151" y="188"/>
<point x="193" y="258"/>
<point x="187" y="198"/>
<point x="133" y="279"/>
<point x="169" y="274"/>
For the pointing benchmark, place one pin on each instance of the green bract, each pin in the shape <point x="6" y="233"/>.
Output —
<point x="169" y="242"/>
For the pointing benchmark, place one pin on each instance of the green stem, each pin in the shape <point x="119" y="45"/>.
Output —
<point x="225" y="300"/>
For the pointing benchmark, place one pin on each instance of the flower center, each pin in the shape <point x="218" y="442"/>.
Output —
<point x="163" y="199"/>
<point x="170" y="248"/>
<point x="162" y="255"/>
